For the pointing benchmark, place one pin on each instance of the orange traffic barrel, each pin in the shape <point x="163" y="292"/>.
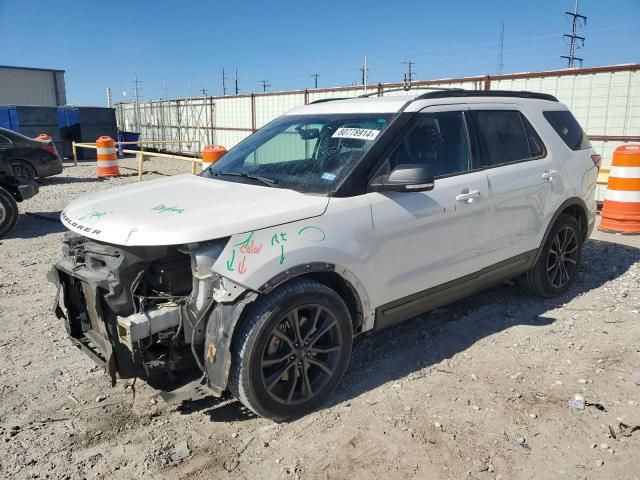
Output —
<point x="212" y="154"/>
<point x="107" y="157"/>
<point x="621" y="209"/>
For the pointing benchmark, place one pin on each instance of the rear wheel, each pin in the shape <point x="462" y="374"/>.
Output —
<point x="22" y="169"/>
<point x="291" y="350"/>
<point x="559" y="260"/>
<point x="8" y="212"/>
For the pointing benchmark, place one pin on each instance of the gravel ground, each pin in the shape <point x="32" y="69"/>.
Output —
<point x="479" y="389"/>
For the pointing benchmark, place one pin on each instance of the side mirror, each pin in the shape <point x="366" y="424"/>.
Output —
<point x="404" y="178"/>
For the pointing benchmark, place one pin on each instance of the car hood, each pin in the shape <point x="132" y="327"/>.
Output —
<point x="184" y="209"/>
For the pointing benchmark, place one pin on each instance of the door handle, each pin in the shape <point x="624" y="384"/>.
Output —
<point x="549" y="174"/>
<point x="467" y="197"/>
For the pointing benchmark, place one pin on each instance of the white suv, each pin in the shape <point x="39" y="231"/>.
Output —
<point x="337" y="218"/>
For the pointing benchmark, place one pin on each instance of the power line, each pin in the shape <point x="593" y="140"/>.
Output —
<point x="576" y="20"/>
<point x="265" y="84"/>
<point x="315" y="77"/>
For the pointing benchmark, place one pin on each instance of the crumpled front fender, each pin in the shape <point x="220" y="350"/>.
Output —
<point x="219" y="338"/>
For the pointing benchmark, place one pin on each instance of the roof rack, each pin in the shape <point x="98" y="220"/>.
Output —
<point x="487" y="93"/>
<point x="403" y="89"/>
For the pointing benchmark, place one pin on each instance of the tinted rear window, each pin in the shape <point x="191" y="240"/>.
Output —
<point x="568" y="128"/>
<point x="506" y="136"/>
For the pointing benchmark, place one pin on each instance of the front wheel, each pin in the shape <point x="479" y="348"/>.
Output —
<point x="558" y="262"/>
<point x="291" y="350"/>
<point x="8" y="212"/>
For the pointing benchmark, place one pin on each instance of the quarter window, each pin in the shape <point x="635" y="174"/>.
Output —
<point x="568" y="128"/>
<point x="438" y="140"/>
<point x="505" y="136"/>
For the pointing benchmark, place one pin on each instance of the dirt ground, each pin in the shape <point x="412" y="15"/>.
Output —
<point x="479" y="389"/>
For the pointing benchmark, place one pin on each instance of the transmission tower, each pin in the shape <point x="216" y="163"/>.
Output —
<point x="408" y="75"/>
<point x="315" y="77"/>
<point x="575" y="40"/>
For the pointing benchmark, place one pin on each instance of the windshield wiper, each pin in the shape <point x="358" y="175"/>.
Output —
<point x="264" y="180"/>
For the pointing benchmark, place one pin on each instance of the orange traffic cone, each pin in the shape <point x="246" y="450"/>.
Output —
<point x="621" y="209"/>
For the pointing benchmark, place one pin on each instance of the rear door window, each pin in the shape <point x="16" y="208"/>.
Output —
<point x="570" y="131"/>
<point x="438" y="140"/>
<point x="506" y="136"/>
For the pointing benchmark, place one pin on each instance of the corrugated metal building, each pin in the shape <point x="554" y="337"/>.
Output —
<point x="32" y="86"/>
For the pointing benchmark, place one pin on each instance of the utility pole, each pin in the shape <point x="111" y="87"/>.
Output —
<point x="136" y="109"/>
<point x="224" y="83"/>
<point x="235" y="78"/>
<point x="315" y="77"/>
<point x="164" y="86"/>
<point x="365" y="72"/>
<point x="501" y="49"/>
<point x="577" y="21"/>
<point x="265" y="84"/>
<point x="408" y="76"/>
<point x="109" y="98"/>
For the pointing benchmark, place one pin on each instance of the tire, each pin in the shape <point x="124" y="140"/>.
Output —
<point x="280" y="372"/>
<point x="22" y="169"/>
<point x="8" y="212"/>
<point x="554" y="272"/>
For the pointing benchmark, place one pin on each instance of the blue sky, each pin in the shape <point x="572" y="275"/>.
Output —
<point x="104" y="44"/>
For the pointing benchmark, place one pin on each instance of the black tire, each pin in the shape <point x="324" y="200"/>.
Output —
<point x="559" y="260"/>
<point x="8" y="212"/>
<point x="266" y="369"/>
<point x="22" y="169"/>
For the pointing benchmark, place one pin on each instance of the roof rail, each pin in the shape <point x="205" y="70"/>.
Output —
<point x="487" y="93"/>
<point x="322" y="100"/>
<point x="381" y="93"/>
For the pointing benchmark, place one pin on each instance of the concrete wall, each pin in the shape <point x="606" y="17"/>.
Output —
<point x="24" y="86"/>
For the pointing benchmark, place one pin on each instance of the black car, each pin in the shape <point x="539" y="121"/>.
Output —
<point x="12" y="190"/>
<point x="29" y="158"/>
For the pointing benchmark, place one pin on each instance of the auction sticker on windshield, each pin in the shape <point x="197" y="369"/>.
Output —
<point x="361" y="133"/>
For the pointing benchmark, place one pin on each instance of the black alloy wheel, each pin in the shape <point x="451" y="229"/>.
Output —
<point x="290" y="350"/>
<point x="301" y="355"/>
<point x="562" y="260"/>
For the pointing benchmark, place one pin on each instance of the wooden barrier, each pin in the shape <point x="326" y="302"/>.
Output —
<point x="141" y="155"/>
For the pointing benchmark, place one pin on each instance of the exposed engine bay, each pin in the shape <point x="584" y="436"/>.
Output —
<point x="141" y="311"/>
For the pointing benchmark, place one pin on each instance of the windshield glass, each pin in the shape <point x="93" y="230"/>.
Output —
<point x="307" y="153"/>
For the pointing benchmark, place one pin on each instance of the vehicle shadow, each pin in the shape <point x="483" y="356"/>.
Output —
<point x="426" y="340"/>
<point x="36" y="224"/>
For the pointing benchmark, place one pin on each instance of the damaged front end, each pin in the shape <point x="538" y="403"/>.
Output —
<point x="141" y="311"/>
